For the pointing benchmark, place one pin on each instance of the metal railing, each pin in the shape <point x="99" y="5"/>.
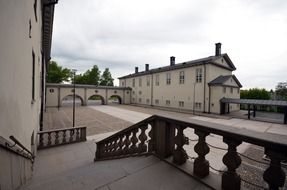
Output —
<point x="164" y="137"/>
<point x="16" y="147"/>
<point x="57" y="137"/>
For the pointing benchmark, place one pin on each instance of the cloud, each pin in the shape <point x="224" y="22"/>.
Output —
<point x="128" y="33"/>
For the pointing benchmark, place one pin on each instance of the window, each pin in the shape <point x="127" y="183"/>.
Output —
<point x="148" y="80"/>
<point x="140" y="81"/>
<point x="157" y="80"/>
<point x="33" y="75"/>
<point x="199" y="75"/>
<point x="134" y="82"/>
<point x="123" y="83"/>
<point x="35" y="9"/>
<point x="224" y="89"/>
<point x="128" y="92"/>
<point x="147" y="101"/>
<point x="133" y="99"/>
<point x="231" y="90"/>
<point x="51" y="90"/>
<point x="156" y="101"/>
<point x="133" y="92"/>
<point x="30" y="29"/>
<point x="140" y="100"/>
<point x="168" y="78"/>
<point x="140" y="92"/>
<point x="181" y="77"/>
<point x="198" y="105"/>
<point x="181" y="104"/>
<point x="167" y="102"/>
<point x="238" y="90"/>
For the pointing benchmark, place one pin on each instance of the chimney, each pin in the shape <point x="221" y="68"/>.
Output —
<point x="136" y="69"/>
<point x="146" y="67"/>
<point x="217" y="49"/>
<point x="172" y="61"/>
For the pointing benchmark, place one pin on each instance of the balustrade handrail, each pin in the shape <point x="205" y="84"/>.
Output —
<point x="61" y="129"/>
<point x="163" y="141"/>
<point x="23" y="152"/>
<point x="274" y="141"/>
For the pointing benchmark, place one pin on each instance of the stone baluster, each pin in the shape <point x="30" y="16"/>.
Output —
<point x="201" y="165"/>
<point x="134" y="140"/>
<point x="127" y="143"/>
<point x="72" y="132"/>
<point x="120" y="146"/>
<point x="274" y="175"/>
<point x="143" y="138"/>
<point x="230" y="179"/>
<point x="56" y="137"/>
<point x="151" y="142"/>
<point x="77" y="134"/>
<point x="83" y="134"/>
<point x="179" y="154"/>
<point x="64" y="137"/>
<point x="49" y="139"/>
<point x="41" y="140"/>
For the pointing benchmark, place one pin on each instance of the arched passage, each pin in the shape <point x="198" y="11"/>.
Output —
<point x="96" y="100"/>
<point x="115" y="99"/>
<point x="68" y="100"/>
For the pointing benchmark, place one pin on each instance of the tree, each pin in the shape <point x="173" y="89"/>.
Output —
<point x="106" y="78"/>
<point x="91" y="77"/>
<point x="255" y="93"/>
<point x="57" y="74"/>
<point x="281" y="90"/>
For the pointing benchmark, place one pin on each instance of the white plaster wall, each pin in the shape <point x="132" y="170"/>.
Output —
<point x="52" y="97"/>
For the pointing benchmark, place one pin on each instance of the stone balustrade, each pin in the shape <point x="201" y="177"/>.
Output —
<point x="58" y="137"/>
<point x="164" y="137"/>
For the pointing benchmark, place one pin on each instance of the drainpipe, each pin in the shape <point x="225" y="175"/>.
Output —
<point x="204" y="87"/>
<point x="151" y="94"/>
<point x="209" y="96"/>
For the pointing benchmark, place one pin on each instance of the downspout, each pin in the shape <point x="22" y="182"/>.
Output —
<point x="204" y="87"/>
<point x="209" y="96"/>
<point x="151" y="94"/>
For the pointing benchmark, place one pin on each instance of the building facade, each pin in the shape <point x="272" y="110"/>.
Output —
<point x="25" y="44"/>
<point x="196" y="85"/>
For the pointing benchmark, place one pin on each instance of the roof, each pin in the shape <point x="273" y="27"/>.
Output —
<point x="255" y="102"/>
<point x="222" y="79"/>
<point x="48" y="19"/>
<point x="197" y="62"/>
<point x="55" y="85"/>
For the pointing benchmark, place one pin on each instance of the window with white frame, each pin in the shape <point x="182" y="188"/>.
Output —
<point x="198" y="105"/>
<point x="156" y="102"/>
<point x="231" y="90"/>
<point x="157" y="80"/>
<point x="123" y="83"/>
<point x="140" y="82"/>
<point x="181" y="77"/>
<point x="148" y="80"/>
<point x="167" y="102"/>
<point x="181" y="103"/>
<point x="147" y="101"/>
<point x="134" y="82"/>
<point x="140" y="100"/>
<point x="224" y="89"/>
<point x="168" y="78"/>
<point x="238" y="90"/>
<point x="199" y="75"/>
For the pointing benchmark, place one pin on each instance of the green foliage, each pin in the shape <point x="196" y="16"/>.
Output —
<point x="91" y="77"/>
<point x="281" y="90"/>
<point x="57" y="74"/>
<point x="255" y="93"/>
<point x="106" y="78"/>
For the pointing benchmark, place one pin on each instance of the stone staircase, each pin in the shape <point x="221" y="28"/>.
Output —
<point x="72" y="167"/>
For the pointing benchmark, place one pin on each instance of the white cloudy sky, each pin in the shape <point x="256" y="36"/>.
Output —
<point x="122" y="34"/>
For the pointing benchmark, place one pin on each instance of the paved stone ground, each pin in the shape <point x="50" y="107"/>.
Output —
<point x="102" y="119"/>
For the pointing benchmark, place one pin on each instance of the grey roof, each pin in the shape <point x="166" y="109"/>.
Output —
<point x="222" y="79"/>
<point x="210" y="60"/>
<point x="55" y="85"/>
<point x="255" y="102"/>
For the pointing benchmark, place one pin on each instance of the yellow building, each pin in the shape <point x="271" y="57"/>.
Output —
<point x="25" y="45"/>
<point x="193" y="85"/>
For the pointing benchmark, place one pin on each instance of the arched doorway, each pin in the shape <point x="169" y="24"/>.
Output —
<point x="115" y="99"/>
<point x="96" y="100"/>
<point x="68" y="100"/>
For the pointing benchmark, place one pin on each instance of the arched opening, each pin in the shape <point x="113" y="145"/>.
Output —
<point x="96" y="100"/>
<point x="68" y="100"/>
<point x="115" y="99"/>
